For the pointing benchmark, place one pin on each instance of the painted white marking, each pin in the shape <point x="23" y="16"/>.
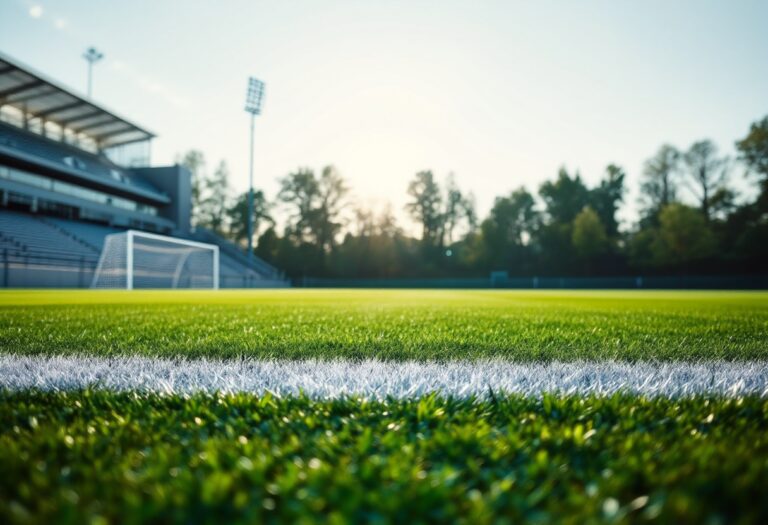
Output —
<point x="379" y="379"/>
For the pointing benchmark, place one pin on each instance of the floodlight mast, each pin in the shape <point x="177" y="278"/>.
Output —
<point x="91" y="55"/>
<point x="253" y="106"/>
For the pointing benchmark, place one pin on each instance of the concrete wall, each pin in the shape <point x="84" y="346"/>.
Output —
<point x="176" y="181"/>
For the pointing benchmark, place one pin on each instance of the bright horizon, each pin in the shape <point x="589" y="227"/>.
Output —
<point x="500" y="94"/>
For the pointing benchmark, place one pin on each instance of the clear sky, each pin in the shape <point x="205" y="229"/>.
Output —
<point x="499" y="93"/>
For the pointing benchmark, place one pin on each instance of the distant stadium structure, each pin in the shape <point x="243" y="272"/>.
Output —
<point x="74" y="174"/>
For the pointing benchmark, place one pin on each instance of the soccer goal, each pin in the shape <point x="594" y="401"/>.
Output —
<point x="135" y="259"/>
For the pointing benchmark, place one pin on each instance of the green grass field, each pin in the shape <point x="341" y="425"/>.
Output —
<point x="99" y="457"/>
<point x="96" y="456"/>
<point x="392" y="324"/>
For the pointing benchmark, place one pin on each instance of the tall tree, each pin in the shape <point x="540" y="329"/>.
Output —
<point x="268" y="245"/>
<point x="565" y="197"/>
<point x="238" y="213"/>
<point x="470" y="212"/>
<point x="707" y="173"/>
<point x="589" y="236"/>
<point x="748" y="225"/>
<point x="316" y="204"/>
<point x="325" y="218"/>
<point x="507" y="230"/>
<point x="194" y="161"/>
<point x="299" y="191"/>
<point x="214" y="206"/>
<point x="386" y="222"/>
<point x="684" y="236"/>
<point x="512" y="219"/>
<point x="453" y="209"/>
<point x="607" y="196"/>
<point x="425" y="206"/>
<point x="364" y="222"/>
<point x="459" y="209"/>
<point x="754" y="147"/>
<point x="659" y="185"/>
<point x="753" y="151"/>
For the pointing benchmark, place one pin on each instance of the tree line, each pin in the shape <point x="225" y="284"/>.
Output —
<point x="691" y="221"/>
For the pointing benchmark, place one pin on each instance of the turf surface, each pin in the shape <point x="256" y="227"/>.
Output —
<point x="99" y="456"/>
<point x="393" y="324"/>
<point x="96" y="456"/>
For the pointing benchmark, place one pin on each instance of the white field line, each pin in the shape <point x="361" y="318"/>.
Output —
<point x="379" y="379"/>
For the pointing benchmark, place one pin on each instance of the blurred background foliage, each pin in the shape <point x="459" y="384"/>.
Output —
<point x="691" y="221"/>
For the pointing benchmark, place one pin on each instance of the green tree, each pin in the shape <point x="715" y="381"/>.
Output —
<point x="214" y="206"/>
<point x="315" y="205"/>
<point x="194" y="161"/>
<point x="607" y="196"/>
<point x="565" y="197"/>
<point x="268" y="245"/>
<point x="507" y="230"/>
<point x="754" y="147"/>
<point x="425" y="207"/>
<point x="453" y="209"/>
<point x="459" y="209"/>
<point x="298" y="190"/>
<point x="325" y="218"/>
<point x="386" y="222"/>
<point x="659" y="185"/>
<point x="374" y="251"/>
<point x="588" y="236"/>
<point x="363" y="223"/>
<point x="641" y="247"/>
<point x="238" y="214"/>
<point x="747" y="225"/>
<point x="707" y="173"/>
<point x="684" y="236"/>
<point x="753" y="151"/>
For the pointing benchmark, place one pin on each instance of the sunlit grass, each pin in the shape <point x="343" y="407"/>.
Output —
<point x="132" y="458"/>
<point x="389" y="324"/>
<point x="101" y="456"/>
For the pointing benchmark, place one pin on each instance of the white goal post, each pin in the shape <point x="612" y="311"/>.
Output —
<point x="136" y="259"/>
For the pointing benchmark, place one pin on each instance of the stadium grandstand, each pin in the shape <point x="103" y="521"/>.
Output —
<point x="72" y="173"/>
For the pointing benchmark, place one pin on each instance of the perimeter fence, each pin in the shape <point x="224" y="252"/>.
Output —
<point x="20" y="269"/>
<point x="679" y="282"/>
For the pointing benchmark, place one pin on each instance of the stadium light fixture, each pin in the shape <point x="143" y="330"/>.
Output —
<point x="91" y="55"/>
<point x="254" y="96"/>
<point x="253" y="99"/>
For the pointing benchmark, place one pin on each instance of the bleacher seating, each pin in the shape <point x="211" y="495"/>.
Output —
<point x="56" y="244"/>
<point x="63" y="156"/>
<point x="93" y="234"/>
<point x="24" y="234"/>
<point x="50" y="242"/>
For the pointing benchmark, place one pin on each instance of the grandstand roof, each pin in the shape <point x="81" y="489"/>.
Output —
<point x="29" y="91"/>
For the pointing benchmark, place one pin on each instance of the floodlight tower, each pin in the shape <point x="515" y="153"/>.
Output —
<point x="91" y="55"/>
<point x="253" y="106"/>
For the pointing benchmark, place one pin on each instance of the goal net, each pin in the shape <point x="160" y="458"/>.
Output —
<point x="135" y="259"/>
